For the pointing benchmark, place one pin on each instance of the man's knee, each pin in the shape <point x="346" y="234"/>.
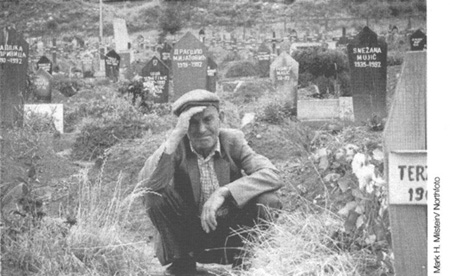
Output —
<point x="163" y="201"/>
<point x="267" y="206"/>
<point x="269" y="200"/>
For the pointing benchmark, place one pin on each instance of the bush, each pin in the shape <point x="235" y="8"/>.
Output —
<point x="242" y="69"/>
<point x="321" y="67"/>
<point x="275" y="113"/>
<point x="112" y="121"/>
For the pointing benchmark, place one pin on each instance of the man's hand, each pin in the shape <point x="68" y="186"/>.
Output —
<point x="215" y="201"/>
<point x="181" y="128"/>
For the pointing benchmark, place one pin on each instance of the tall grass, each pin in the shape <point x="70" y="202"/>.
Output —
<point x="97" y="244"/>
<point x="301" y="243"/>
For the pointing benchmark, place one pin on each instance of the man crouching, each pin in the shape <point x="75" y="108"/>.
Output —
<point x="206" y="182"/>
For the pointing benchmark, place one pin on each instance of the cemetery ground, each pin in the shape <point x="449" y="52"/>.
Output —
<point x="72" y="206"/>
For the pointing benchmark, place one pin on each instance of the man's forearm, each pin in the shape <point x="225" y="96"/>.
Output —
<point x="172" y="142"/>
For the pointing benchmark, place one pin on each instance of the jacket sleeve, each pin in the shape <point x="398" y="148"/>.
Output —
<point x="158" y="170"/>
<point x="261" y="175"/>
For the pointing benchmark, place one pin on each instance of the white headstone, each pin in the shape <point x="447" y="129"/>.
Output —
<point x="121" y="37"/>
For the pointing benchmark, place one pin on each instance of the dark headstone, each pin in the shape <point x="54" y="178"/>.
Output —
<point x="368" y="70"/>
<point x="165" y="53"/>
<point x="156" y="74"/>
<point x="211" y="73"/>
<point x="112" y="65"/>
<point x="263" y="57"/>
<point x="418" y="41"/>
<point x="13" y="75"/>
<point x="43" y="83"/>
<point x="189" y="65"/>
<point x="45" y="64"/>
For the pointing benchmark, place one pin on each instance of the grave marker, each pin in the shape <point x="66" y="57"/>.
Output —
<point x="156" y="74"/>
<point x="405" y="149"/>
<point x="121" y="38"/>
<point x="368" y="72"/>
<point x="43" y="84"/>
<point x="211" y="72"/>
<point x="112" y="65"/>
<point x="45" y="64"/>
<point x="13" y="75"/>
<point x="189" y="65"/>
<point x="165" y="54"/>
<point x="418" y="41"/>
<point x="87" y="66"/>
<point x="284" y="75"/>
<point x="263" y="57"/>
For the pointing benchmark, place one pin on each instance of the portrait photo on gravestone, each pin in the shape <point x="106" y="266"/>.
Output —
<point x="238" y="138"/>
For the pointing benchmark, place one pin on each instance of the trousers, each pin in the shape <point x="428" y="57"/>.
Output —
<point x="180" y="233"/>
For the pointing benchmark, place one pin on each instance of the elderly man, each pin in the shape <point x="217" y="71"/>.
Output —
<point x="206" y="183"/>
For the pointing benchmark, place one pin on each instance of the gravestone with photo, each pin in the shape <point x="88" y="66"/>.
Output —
<point x="284" y="75"/>
<point x="211" y="72"/>
<point x="368" y="73"/>
<point x="13" y="75"/>
<point x="43" y="83"/>
<point x="112" y="65"/>
<point x="45" y="64"/>
<point x="189" y="65"/>
<point x="156" y="74"/>
<point x="263" y="57"/>
<point x="418" y="41"/>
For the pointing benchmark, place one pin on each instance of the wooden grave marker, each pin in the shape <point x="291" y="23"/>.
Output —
<point x="284" y="75"/>
<point x="13" y="75"/>
<point x="156" y="74"/>
<point x="405" y="145"/>
<point x="189" y="65"/>
<point x="263" y="57"/>
<point x="368" y="75"/>
<point x="43" y="84"/>
<point x="418" y="41"/>
<point x="211" y="78"/>
<point x="45" y="64"/>
<point x="112" y="65"/>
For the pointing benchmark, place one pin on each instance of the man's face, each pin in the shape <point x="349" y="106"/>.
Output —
<point x="204" y="130"/>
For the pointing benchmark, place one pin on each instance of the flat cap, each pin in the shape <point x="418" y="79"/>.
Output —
<point x="197" y="97"/>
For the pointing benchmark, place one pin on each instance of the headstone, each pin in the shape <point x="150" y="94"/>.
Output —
<point x="13" y="75"/>
<point x="189" y="65"/>
<point x="263" y="57"/>
<point x="211" y="72"/>
<point x="405" y="144"/>
<point x="112" y="64"/>
<point x="87" y="66"/>
<point x="418" y="41"/>
<point x="156" y="74"/>
<point x="368" y="72"/>
<point x="43" y="83"/>
<point x="121" y="38"/>
<point x="45" y="64"/>
<point x="284" y="75"/>
<point x="165" y="54"/>
<point x="201" y="34"/>
<point x="343" y="40"/>
<point x="125" y="59"/>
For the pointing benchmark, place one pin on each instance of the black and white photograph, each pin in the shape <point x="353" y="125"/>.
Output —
<point x="226" y="138"/>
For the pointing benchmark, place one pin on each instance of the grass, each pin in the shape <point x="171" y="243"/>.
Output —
<point x="97" y="244"/>
<point x="302" y="243"/>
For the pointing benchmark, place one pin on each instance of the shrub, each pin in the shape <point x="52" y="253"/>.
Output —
<point x="112" y="120"/>
<point x="275" y="113"/>
<point x="242" y="69"/>
<point x="322" y="67"/>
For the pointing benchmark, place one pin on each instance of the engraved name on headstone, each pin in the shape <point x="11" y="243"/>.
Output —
<point x="368" y="72"/>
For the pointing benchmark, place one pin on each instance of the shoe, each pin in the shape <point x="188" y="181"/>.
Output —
<point x="182" y="267"/>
